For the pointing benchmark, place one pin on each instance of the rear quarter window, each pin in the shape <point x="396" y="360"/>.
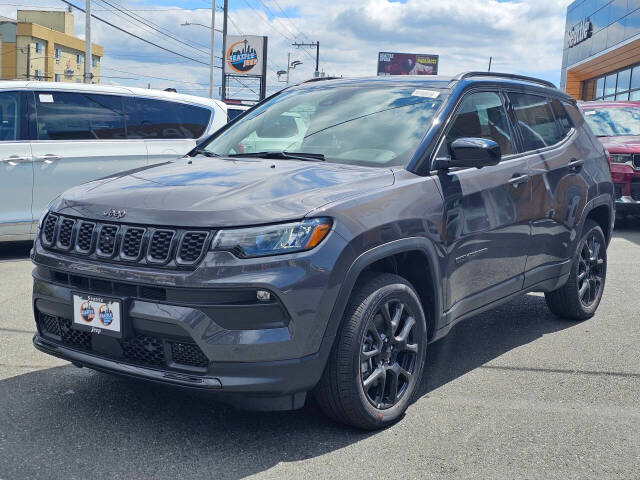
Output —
<point x="535" y="121"/>
<point x="158" y="119"/>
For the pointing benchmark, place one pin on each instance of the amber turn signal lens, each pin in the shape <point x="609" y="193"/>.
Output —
<point x="319" y="232"/>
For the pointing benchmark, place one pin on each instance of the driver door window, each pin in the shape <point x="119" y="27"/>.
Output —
<point x="481" y="115"/>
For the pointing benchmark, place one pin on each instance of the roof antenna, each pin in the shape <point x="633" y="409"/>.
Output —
<point x="490" y="58"/>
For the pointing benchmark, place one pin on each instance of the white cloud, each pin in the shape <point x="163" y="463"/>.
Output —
<point x="521" y="36"/>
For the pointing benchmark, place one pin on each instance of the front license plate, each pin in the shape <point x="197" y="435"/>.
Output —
<point x="96" y="314"/>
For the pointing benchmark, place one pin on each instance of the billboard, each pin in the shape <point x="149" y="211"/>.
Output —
<point x="245" y="55"/>
<point x="390" y="63"/>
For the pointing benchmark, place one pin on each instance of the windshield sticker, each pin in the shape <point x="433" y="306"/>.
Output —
<point x="45" y="98"/>
<point x="590" y="112"/>
<point x="425" y="93"/>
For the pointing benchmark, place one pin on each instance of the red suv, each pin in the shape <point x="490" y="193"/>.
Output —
<point x="617" y="125"/>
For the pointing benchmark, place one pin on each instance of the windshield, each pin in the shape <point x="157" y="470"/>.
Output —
<point x="352" y="125"/>
<point x="614" y="122"/>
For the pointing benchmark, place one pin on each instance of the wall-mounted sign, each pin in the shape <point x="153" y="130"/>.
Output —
<point x="245" y="55"/>
<point x="579" y="32"/>
<point x="407" y="64"/>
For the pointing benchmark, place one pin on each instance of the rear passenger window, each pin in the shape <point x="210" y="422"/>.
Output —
<point x="79" y="116"/>
<point x="562" y="119"/>
<point x="535" y="120"/>
<point x="481" y="115"/>
<point x="157" y="119"/>
<point x="9" y="116"/>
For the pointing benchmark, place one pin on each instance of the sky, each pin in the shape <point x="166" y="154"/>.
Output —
<point x="522" y="36"/>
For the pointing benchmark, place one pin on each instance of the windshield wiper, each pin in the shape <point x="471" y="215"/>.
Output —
<point x="202" y="151"/>
<point x="313" y="157"/>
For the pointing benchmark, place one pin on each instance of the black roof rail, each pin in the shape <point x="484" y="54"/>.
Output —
<point x="319" y="79"/>
<point x="513" y="76"/>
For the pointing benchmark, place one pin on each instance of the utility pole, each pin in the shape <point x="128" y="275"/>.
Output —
<point x="288" y="66"/>
<point x="223" y="93"/>
<point x="29" y="61"/>
<point x="88" y="61"/>
<point x="213" y="34"/>
<point x="312" y="44"/>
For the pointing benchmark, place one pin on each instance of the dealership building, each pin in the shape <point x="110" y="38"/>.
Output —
<point x="601" y="55"/>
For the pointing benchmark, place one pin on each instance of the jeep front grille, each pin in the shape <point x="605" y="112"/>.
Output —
<point x="636" y="160"/>
<point x="150" y="246"/>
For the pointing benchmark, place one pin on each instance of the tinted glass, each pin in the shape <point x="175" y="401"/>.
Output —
<point x="233" y="113"/>
<point x="79" y="116"/>
<point x="635" y="95"/>
<point x="610" y="84"/>
<point x="481" y="115"/>
<point x="623" y="80"/>
<point x="376" y="126"/>
<point x="635" y="78"/>
<point x="613" y="122"/>
<point x="9" y="116"/>
<point x="157" y="119"/>
<point x="561" y="117"/>
<point x="535" y="121"/>
<point x="600" y="87"/>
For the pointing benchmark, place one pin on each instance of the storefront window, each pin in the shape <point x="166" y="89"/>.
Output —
<point x="635" y="78"/>
<point x="623" y="81"/>
<point x="600" y="87"/>
<point x="610" y="84"/>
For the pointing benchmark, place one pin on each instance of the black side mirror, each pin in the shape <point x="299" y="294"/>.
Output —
<point x="470" y="153"/>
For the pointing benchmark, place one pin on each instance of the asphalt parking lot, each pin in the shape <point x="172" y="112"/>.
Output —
<point x="512" y="393"/>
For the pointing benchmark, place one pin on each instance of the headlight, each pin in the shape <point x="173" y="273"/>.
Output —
<point x="273" y="239"/>
<point x="620" y="157"/>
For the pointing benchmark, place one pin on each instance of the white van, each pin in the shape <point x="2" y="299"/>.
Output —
<point x="57" y="135"/>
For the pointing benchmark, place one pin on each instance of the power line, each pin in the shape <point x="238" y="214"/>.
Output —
<point x="152" y="25"/>
<point x="136" y="36"/>
<point x="290" y="20"/>
<point x="152" y="30"/>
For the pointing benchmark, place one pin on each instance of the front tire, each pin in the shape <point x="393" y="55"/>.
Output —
<point x="579" y="298"/>
<point x="377" y="359"/>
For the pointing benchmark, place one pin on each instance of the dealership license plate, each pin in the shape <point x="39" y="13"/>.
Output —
<point x="97" y="314"/>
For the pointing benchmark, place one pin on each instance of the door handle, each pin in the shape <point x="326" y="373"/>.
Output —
<point x="575" y="164"/>
<point x="518" y="179"/>
<point x="48" y="158"/>
<point x="14" y="160"/>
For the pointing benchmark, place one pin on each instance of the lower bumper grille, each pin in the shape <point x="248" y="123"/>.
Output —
<point x="618" y="189"/>
<point x="145" y="350"/>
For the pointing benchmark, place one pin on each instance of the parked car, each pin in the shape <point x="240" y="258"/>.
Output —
<point x="57" y="135"/>
<point x="235" y="110"/>
<point x="329" y="266"/>
<point x="617" y="126"/>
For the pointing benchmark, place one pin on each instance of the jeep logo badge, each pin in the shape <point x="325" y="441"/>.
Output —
<point x="115" y="213"/>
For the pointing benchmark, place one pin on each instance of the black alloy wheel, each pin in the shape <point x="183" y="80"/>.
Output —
<point x="388" y="354"/>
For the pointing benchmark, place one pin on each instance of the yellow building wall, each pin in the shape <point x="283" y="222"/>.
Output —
<point x="29" y="33"/>
<point x="59" y="21"/>
<point x="8" y="60"/>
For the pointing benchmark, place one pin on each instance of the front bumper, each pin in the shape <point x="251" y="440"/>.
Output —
<point x="626" y="205"/>
<point x="236" y="346"/>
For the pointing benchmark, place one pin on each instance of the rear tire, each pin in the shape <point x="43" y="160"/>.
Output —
<point x="376" y="362"/>
<point x="579" y="298"/>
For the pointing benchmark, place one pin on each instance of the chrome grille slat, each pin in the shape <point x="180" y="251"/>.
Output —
<point x="115" y="242"/>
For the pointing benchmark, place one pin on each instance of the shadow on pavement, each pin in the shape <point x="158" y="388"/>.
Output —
<point x="628" y="228"/>
<point x="15" y="250"/>
<point x="70" y="423"/>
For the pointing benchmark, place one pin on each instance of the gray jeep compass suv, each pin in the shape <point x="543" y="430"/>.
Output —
<point x="319" y="242"/>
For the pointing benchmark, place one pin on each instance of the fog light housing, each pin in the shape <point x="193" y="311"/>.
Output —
<point x="263" y="295"/>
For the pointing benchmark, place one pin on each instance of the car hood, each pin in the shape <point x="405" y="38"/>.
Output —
<point x="218" y="192"/>
<point x="621" y="144"/>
